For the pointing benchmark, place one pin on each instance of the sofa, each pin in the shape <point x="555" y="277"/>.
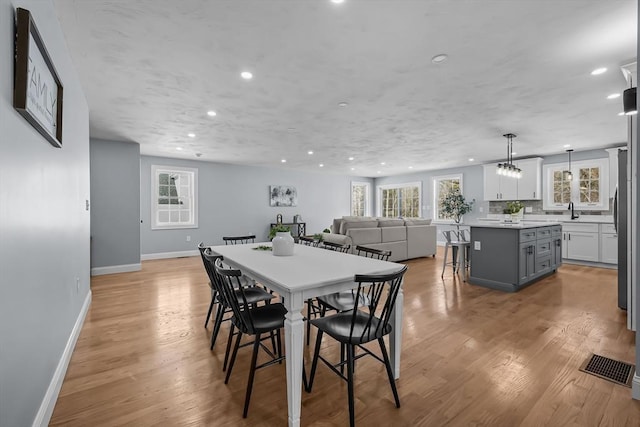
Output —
<point x="405" y="238"/>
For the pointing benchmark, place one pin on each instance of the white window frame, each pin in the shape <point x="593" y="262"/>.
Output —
<point x="367" y="196"/>
<point x="436" y="207"/>
<point x="549" y="205"/>
<point x="379" y="189"/>
<point x="192" y="198"/>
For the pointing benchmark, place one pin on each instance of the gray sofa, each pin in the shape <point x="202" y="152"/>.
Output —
<point x="406" y="239"/>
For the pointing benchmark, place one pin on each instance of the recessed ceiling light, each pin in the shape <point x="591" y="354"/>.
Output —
<point x="211" y="113"/>
<point x="471" y="159"/>
<point x="566" y="146"/>
<point x="382" y="163"/>
<point x="440" y="58"/>
<point x="613" y="96"/>
<point x="309" y="152"/>
<point x="631" y="113"/>
<point x="284" y="160"/>
<point x="350" y="158"/>
<point x="337" y="1"/>
<point x="191" y="135"/>
<point x="343" y="104"/>
<point x="621" y="113"/>
<point x="514" y="153"/>
<point x="179" y="148"/>
<point x="353" y="169"/>
<point x="598" y="71"/>
<point x="410" y="167"/>
<point x="378" y="172"/>
<point x="321" y="165"/>
<point x="291" y="129"/>
<point x="246" y="75"/>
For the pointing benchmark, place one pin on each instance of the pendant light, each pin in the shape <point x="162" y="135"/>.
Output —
<point x="629" y="101"/>
<point x="568" y="175"/>
<point x="508" y="168"/>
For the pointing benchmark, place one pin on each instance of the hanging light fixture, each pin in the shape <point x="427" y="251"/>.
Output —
<point x="567" y="175"/>
<point x="508" y="168"/>
<point x="629" y="101"/>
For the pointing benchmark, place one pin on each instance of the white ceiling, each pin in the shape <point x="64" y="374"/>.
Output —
<point x="152" y="68"/>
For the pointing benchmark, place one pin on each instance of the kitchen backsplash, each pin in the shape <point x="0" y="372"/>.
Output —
<point x="536" y="205"/>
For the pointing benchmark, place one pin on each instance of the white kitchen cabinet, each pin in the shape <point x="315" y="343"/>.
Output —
<point x="608" y="244"/>
<point x="530" y="185"/>
<point x="498" y="187"/>
<point x="581" y="241"/>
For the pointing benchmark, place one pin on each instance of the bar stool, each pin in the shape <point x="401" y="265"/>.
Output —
<point x="459" y="249"/>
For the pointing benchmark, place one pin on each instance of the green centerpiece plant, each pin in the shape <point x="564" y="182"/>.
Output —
<point x="278" y="229"/>
<point x="455" y="206"/>
<point x="514" y="207"/>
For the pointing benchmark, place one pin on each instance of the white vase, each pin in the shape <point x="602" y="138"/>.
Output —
<point x="283" y="244"/>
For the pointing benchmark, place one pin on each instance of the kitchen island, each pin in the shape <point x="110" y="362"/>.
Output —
<point x="508" y="257"/>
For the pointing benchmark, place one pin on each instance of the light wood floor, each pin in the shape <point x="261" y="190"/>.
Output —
<point x="471" y="356"/>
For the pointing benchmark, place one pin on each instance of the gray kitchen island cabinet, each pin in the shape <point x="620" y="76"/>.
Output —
<point x="508" y="257"/>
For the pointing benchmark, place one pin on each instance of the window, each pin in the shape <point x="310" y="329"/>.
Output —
<point x="588" y="190"/>
<point x="173" y="199"/>
<point x="400" y="200"/>
<point x="443" y="185"/>
<point x="360" y="199"/>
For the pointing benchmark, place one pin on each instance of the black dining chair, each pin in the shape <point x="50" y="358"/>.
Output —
<point x="214" y="293"/>
<point x="314" y="308"/>
<point x="249" y="319"/>
<point x="308" y="241"/>
<point x="253" y="294"/>
<point x="358" y="326"/>
<point x="239" y="240"/>
<point x="380" y="254"/>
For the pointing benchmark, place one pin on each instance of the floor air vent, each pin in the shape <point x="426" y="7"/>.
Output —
<point x="609" y="369"/>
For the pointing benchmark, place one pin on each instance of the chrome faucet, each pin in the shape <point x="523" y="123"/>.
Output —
<point x="574" y="215"/>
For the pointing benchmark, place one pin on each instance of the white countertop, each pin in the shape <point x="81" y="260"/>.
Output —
<point x="598" y="219"/>
<point x="515" y="225"/>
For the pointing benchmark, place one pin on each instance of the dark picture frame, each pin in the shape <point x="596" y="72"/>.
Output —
<point x="37" y="90"/>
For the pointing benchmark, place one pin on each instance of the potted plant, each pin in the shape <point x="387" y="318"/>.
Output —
<point x="455" y="206"/>
<point x="514" y="209"/>
<point x="278" y="229"/>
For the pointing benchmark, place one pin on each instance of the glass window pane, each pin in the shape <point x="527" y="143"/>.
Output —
<point x="163" y="179"/>
<point x="163" y="216"/>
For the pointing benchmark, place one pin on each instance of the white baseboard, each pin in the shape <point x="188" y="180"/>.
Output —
<point x="163" y="255"/>
<point x="51" y="396"/>
<point x="439" y="243"/>
<point x="635" y="387"/>
<point x="125" y="268"/>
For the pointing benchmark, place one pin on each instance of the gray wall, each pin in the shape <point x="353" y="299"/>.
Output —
<point x="234" y="200"/>
<point x="115" y="203"/>
<point x="44" y="227"/>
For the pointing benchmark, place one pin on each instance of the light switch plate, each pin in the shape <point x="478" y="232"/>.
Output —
<point x="528" y="209"/>
<point x="476" y="245"/>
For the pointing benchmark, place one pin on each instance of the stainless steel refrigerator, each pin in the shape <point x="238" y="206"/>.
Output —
<point x="620" y="221"/>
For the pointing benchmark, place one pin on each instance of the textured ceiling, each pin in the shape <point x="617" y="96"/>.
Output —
<point x="152" y="69"/>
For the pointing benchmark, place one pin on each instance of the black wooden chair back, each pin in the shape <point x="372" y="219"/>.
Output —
<point x="338" y="247"/>
<point x="239" y="240"/>
<point x="233" y="290"/>
<point x="380" y="254"/>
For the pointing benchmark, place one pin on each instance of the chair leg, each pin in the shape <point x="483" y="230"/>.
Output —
<point x="352" y="421"/>
<point x="213" y="301"/>
<point x="233" y="357"/>
<point x="314" y="364"/>
<point x="444" y="263"/>
<point x="252" y="372"/>
<point x="387" y="364"/>
<point x="454" y="258"/>
<point x="216" y="324"/>
<point x="342" y="351"/>
<point x="279" y="341"/>
<point x="308" y="320"/>
<point x="273" y="342"/>
<point x="226" y="353"/>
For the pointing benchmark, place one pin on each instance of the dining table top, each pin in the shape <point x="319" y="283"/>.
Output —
<point x="308" y="267"/>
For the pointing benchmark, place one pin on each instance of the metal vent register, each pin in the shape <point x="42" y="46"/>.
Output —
<point x="609" y="369"/>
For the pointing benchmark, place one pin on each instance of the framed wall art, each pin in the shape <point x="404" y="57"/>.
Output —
<point x="37" y="91"/>
<point x="283" y="195"/>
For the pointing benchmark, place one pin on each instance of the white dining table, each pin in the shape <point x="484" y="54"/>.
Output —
<point x="309" y="272"/>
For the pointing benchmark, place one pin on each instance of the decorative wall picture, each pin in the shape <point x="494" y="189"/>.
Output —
<point x="37" y="91"/>
<point x="283" y="195"/>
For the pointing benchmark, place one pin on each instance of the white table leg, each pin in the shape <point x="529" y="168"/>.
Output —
<point x="293" y="342"/>
<point x="395" y="338"/>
